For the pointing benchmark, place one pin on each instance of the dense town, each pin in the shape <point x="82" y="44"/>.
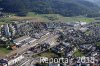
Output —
<point x="29" y="40"/>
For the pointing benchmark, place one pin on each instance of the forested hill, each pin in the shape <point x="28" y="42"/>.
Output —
<point x="63" y="7"/>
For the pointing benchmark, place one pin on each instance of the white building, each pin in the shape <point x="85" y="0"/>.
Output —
<point x="24" y="40"/>
<point x="15" y="60"/>
<point x="83" y="29"/>
<point x="7" y="30"/>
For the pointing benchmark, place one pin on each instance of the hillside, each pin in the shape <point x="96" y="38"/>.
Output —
<point x="64" y="7"/>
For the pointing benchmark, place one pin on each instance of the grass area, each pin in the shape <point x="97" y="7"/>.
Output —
<point x="1" y="23"/>
<point x="60" y="18"/>
<point x="45" y="18"/>
<point x="30" y="16"/>
<point x="38" y="16"/>
<point x="88" y="32"/>
<point x="78" y="53"/>
<point x="98" y="24"/>
<point x="47" y="54"/>
<point x="7" y="19"/>
<point x="3" y="51"/>
<point x="98" y="44"/>
<point x="57" y="17"/>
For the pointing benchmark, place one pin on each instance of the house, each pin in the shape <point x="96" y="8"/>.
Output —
<point x="86" y="46"/>
<point x="66" y="44"/>
<point x="58" y="49"/>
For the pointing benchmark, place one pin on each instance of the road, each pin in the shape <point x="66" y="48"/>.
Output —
<point x="25" y="48"/>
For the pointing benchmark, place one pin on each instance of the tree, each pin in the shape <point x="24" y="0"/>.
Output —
<point x="63" y="7"/>
<point x="16" y="6"/>
<point x="22" y="13"/>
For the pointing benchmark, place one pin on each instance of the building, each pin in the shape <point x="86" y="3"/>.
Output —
<point x="24" y="40"/>
<point x="13" y="30"/>
<point x="15" y="60"/>
<point x="3" y="62"/>
<point x="21" y="39"/>
<point x="83" y="29"/>
<point x="8" y="30"/>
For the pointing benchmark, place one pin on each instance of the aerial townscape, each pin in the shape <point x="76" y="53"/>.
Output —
<point x="29" y="40"/>
<point x="44" y="35"/>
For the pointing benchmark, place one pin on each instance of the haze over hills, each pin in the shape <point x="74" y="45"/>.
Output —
<point x="95" y="1"/>
<point x="64" y="7"/>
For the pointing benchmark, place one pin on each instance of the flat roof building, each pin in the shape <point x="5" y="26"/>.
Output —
<point x="19" y="40"/>
<point x="24" y="40"/>
<point x="15" y="60"/>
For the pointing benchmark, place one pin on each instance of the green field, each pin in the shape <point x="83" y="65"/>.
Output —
<point x="77" y="53"/>
<point x="98" y="44"/>
<point x="60" y="18"/>
<point x="48" y="54"/>
<point x="44" y="18"/>
<point x="3" y="51"/>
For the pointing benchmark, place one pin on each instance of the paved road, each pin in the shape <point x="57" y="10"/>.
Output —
<point x="25" y="48"/>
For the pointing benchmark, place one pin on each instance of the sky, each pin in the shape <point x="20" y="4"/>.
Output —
<point x="93" y="0"/>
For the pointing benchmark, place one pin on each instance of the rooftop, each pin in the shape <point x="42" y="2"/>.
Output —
<point x="21" y="38"/>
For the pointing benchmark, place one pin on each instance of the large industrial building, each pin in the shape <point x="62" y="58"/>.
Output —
<point x="24" y="40"/>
